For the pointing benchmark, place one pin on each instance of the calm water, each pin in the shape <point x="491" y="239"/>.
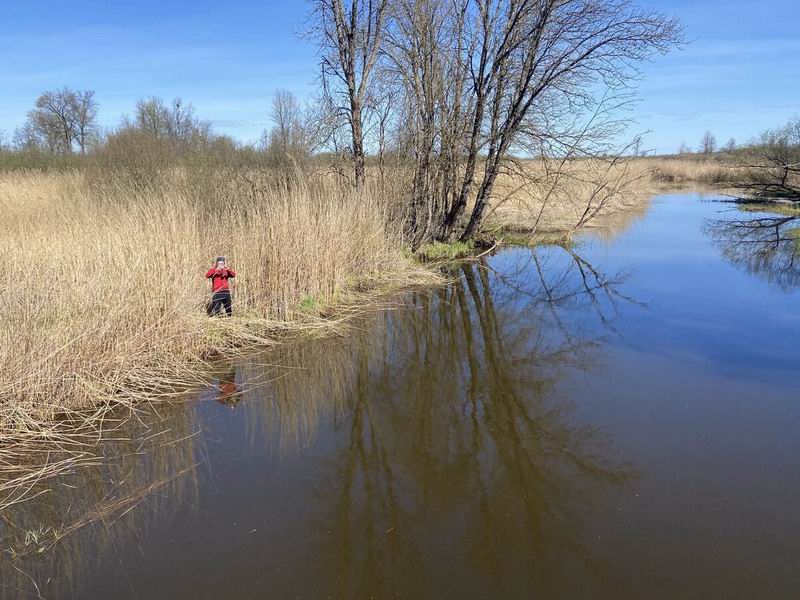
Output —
<point x="617" y="420"/>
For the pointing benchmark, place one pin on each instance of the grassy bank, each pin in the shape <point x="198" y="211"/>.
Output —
<point x="549" y="201"/>
<point x="105" y="289"/>
<point x="104" y="304"/>
<point x="679" y="172"/>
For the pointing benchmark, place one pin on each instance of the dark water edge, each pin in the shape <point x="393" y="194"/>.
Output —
<point x="615" y="420"/>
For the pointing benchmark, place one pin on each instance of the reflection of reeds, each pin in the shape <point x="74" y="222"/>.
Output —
<point x="108" y="513"/>
<point x="304" y="384"/>
<point x="53" y="539"/>
<point x="561" y="197"/>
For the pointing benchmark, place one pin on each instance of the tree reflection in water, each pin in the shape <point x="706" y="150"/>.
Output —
<point x="459" y="468"/>
<point x="459" y="456"/>
<point x="765" y="245"/>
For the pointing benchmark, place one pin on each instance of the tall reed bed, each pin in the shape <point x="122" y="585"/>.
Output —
<point x="561" y="197"/>
<point x="672" y="171"/>
<point x="104" y="290"/>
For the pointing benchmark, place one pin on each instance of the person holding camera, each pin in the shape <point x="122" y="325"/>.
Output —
<point x="219" y="275"/>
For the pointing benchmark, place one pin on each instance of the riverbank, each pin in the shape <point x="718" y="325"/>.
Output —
<point x="106" y="306"/>
<point x="106" y="310"/>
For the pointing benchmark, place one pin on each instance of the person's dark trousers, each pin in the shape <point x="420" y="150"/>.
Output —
<point x="220" y="301"/>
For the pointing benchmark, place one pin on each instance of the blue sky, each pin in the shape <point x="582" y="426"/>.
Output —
<point x="740" y="74"/>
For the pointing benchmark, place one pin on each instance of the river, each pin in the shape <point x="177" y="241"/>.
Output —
<point x="616" y="419"/>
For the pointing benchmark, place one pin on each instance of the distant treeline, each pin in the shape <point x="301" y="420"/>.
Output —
<point x="62" y="132"/>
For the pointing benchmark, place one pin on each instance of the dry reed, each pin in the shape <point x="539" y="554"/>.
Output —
<point x="680" y="172"/>
<point x="104" y="297"/>
<point x="560" y="197"/>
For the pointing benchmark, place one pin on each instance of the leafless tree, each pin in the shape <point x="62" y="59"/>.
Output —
<point x="384" y="107"/>
<point x="26" y="138"/>
<point x="527" y="67"/>
<point x="769" y="168"/>
<point x="350" y="37"/>
<point x="287" y="140"/>
<point x="425" y="49"/>
<point x="152" y="116"/>
<point x="59" y="119"/>
<point x="175" y="122"/>
<point x="684" y="149"/>
<point x="730" y="146"/>
<point x="55" y="119"/>
<point x="708" y="143"/>
<point x="84" y="108"/>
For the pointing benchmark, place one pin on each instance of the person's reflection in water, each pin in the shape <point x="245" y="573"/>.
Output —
<point x="229" y="392"/>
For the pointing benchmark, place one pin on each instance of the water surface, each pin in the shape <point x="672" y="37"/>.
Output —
<point x="620" y="419"/>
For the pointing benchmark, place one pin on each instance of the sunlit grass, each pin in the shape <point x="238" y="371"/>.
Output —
<point x="107" y="306"/>
<point x="438" y="251"/>
<point x="795" y="235"/>
<point x="779" y="208"/>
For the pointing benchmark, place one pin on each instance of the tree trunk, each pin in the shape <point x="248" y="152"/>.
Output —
<point x="484" y="193"/>
<point x="358" y="144"/>
<point x="457" y="210"/>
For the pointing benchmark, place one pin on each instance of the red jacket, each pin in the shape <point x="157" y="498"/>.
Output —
<point x="219" y="279"/>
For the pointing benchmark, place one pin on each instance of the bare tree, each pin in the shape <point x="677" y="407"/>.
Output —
<point x="708" y="143"/>
<point x="425" y="50"/>
<point x="350" y="37"/>
<point x="27" y="138"/>
<point x="534" y="62"/>
<point x="175" y="122"/>
<point x="55" y="122"/>
<point x="84" y="109"/>
<point x="287" y="138"/>
<point x="769" y="168"/>
<point x="286" y="116"/>
<point x="684" y="149"/>
<point x="730" y="146"/>
<point x="152" y="116"/>
<point x="485" y="78"/>
<point x="636" y="148"/>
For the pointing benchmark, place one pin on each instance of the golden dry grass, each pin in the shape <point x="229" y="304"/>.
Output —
<point x="677" y="172"/>
<point x="561" y="197"/>
<point x="105" y="290"/>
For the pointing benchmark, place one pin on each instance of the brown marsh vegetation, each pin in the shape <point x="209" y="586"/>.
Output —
<point x="108" y="295"/>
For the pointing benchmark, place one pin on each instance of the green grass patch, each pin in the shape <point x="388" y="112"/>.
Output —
<point x="778" y="208"/>
<point x="309" y="304"/>
<point x="795" y="235"/>
<point x="438" y="251"/>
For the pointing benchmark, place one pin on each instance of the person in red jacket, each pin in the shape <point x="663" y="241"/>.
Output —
<point x="219" y="276"/>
